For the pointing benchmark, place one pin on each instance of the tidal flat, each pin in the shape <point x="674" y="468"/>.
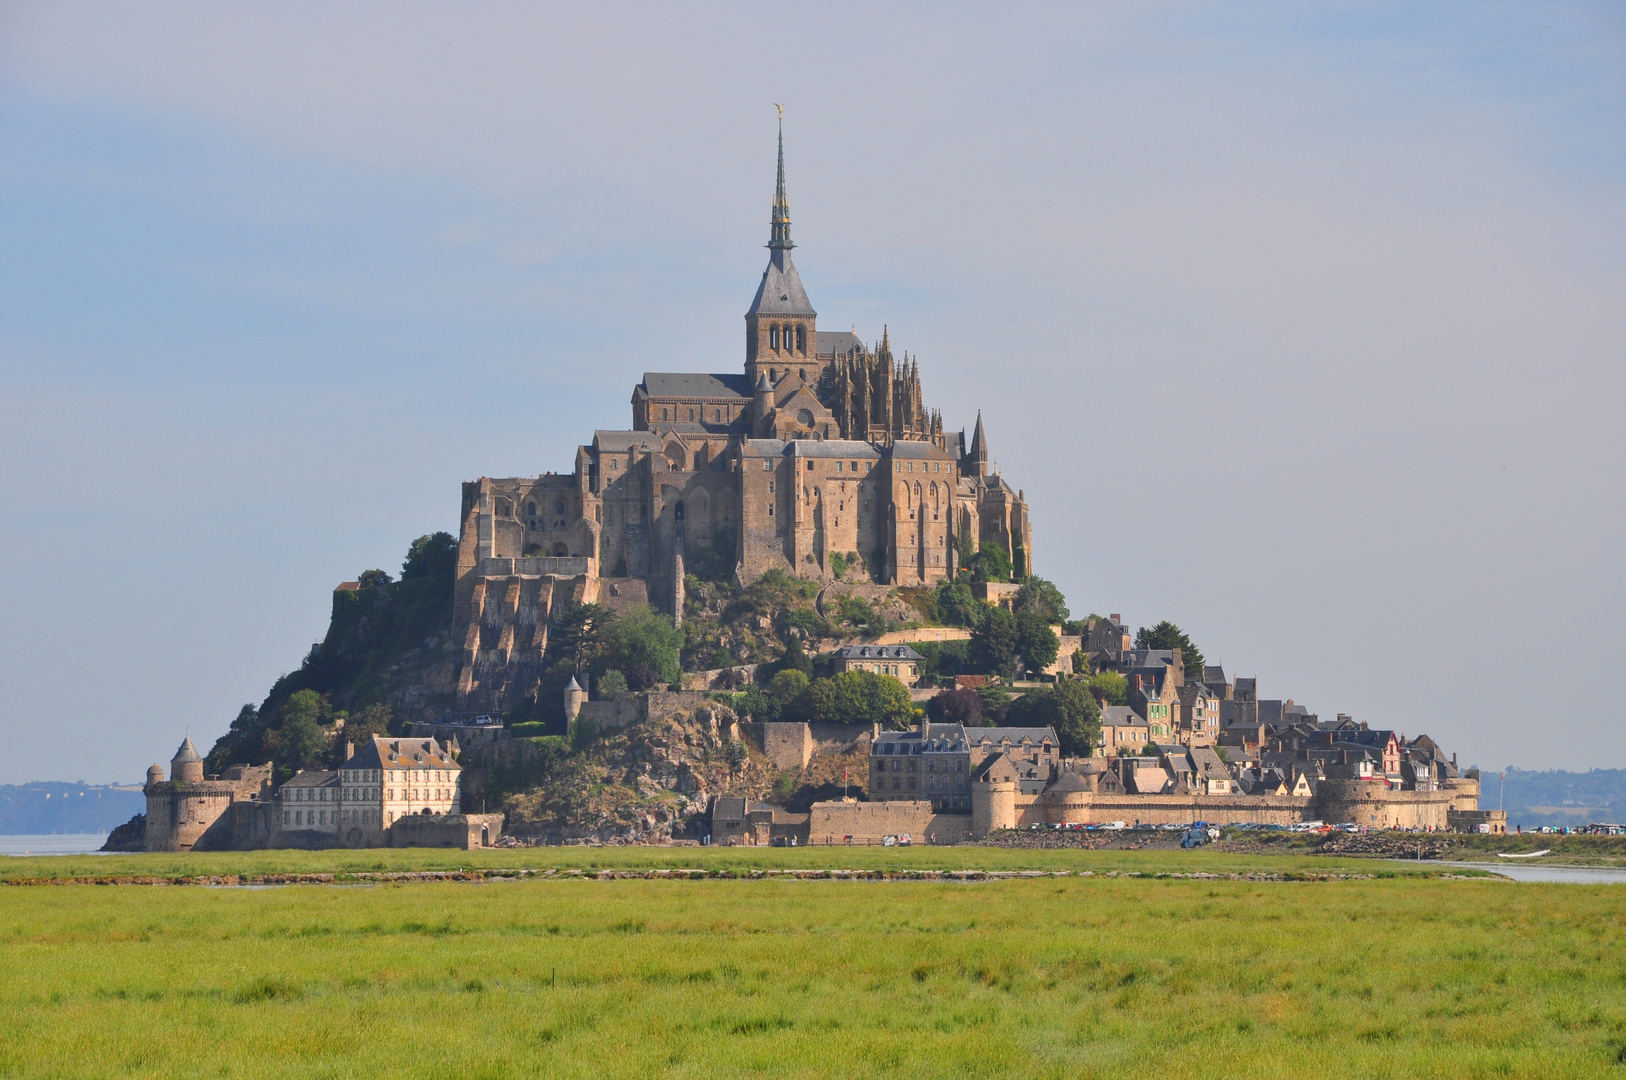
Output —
<point x="1055" y="976"/>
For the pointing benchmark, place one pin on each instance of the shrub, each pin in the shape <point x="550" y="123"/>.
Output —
<point x="611" y="683"/>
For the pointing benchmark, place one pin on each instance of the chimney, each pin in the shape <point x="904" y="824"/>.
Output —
<point x="1134" y="682"/>
<point x="349" y="750"/>
<point x="1115" y="617"/>
<point x="1326" y="738"/>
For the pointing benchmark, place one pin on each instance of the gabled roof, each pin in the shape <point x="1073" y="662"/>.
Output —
<point x="689" y="384"/>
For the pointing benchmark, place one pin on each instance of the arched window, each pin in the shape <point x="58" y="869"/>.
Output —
<point x="801" y="340"/>
<point x="691" y="416"/>
<point x="559" y="508"/>
<point x="773" y="338"/>
<point x="677" y="512"/>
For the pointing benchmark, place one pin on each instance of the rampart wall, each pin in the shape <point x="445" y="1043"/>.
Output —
<point x="863" y="823"/>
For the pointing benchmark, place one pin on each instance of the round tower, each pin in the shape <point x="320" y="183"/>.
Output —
<point x="993" y="806"/>
<point x="155" y="774"/>
<point x="186" y="765"/>
<point x="575" y="698"/>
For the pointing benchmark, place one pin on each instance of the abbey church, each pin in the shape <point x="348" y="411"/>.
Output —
<point x="822" y="446"/>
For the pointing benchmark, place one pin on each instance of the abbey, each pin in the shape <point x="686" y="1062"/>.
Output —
<point x="821" y="447"/>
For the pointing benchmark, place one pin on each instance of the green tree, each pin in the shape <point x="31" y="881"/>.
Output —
<point x="1041" y="598"/>
<point x="300" y="742"/>
<point x="611" y="683"/>
<point x="1109" y="686"/>
<point x="368" y="579"/>
<point x="795" y="658"/>
<point x="645" y="641"/>
<point x="967" y="550"/>
<point x="788" y="685"/>
<point x="581" y="634"/>
<point x="1036" y="643"/>
<point x="1080" y="726"/>
<point x="992" y="562"/>
<point x="1068" y="707"/>
<point x="757" y="704"/>
<point x="854" y="697"/>
<point x="433" y="555"/>
<point x="993" y="642"/>
<point x="372" y="721"/>
<point x="955" y="604"/>
<point x="1166" y="635"/>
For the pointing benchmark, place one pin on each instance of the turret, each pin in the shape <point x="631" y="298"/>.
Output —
<point x="186" y="766"/>
<point x="761" y="403"/>
<point x="575" y="698"/>
<point x="155" y="774"/>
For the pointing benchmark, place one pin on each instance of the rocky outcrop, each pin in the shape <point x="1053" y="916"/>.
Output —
<point x="131" y="836"/>
<point x="649" y="783"/>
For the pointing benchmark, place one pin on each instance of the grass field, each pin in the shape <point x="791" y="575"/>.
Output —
<point x="739" y="860"/>
<point x="1048" y="977"/>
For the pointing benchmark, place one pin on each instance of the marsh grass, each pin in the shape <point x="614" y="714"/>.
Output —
<point x="1048" y="977"/>
<point x="713" y="859"/>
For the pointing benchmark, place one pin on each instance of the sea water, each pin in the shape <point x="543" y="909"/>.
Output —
<point x="53" y="844"/>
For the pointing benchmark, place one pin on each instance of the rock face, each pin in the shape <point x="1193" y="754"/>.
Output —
<point x="650" y="783"/>
<point x="131" y="836"/>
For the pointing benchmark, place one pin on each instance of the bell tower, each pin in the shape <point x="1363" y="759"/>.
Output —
<point x="779" y="325"/>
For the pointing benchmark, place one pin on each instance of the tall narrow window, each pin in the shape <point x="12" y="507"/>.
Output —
<point x="773" y="338"/>
<point x="801" y="339"/>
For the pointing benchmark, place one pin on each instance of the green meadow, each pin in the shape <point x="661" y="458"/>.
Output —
<point x="718" y="860"/>
<point x="1067" y="976"/>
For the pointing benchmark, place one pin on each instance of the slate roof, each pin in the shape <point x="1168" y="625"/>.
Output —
<point x="1121" y="716"/>
<point x="312" y="778"/>
<point x="1037" y="735"/>
<point x="781" y="292"/>
<point x="875" y="652"/>
<point x="690" y="384"/>
<point x="831" y="342"/>
<point x="617" y="441"/>
<point x="728" y="808"/>
<point x="914" y="448"/>
<point x="833" y="448"/>
<point x="383" y="753"/>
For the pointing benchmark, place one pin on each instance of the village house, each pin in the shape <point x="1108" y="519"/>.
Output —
<point x="899" y="661"/>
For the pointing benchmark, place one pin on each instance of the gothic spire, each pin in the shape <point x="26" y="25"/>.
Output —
<point x="979" y="447"/>
<point x="779" y="239"/>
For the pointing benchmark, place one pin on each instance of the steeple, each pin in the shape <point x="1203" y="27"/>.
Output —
<point x="978" y="453"/>
<point x="779" y="237"/>
<point x="779" y="326"/>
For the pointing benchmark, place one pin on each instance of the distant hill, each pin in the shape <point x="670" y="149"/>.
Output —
<point x="52" y="807"/>
<point x="1556" y="797"/>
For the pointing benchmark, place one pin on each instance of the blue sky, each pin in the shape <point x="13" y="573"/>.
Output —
<point x="1302" y="327"/>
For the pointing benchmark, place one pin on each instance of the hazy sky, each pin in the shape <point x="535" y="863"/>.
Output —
<point x="1301" y="325"/>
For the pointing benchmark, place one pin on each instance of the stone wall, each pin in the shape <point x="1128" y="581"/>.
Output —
<point x="865" y="824"/>
<point x="462" y="831"/>
<point x="788" y="746"/>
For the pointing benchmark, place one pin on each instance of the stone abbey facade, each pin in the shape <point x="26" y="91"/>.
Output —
<point x="821" y="446"/>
